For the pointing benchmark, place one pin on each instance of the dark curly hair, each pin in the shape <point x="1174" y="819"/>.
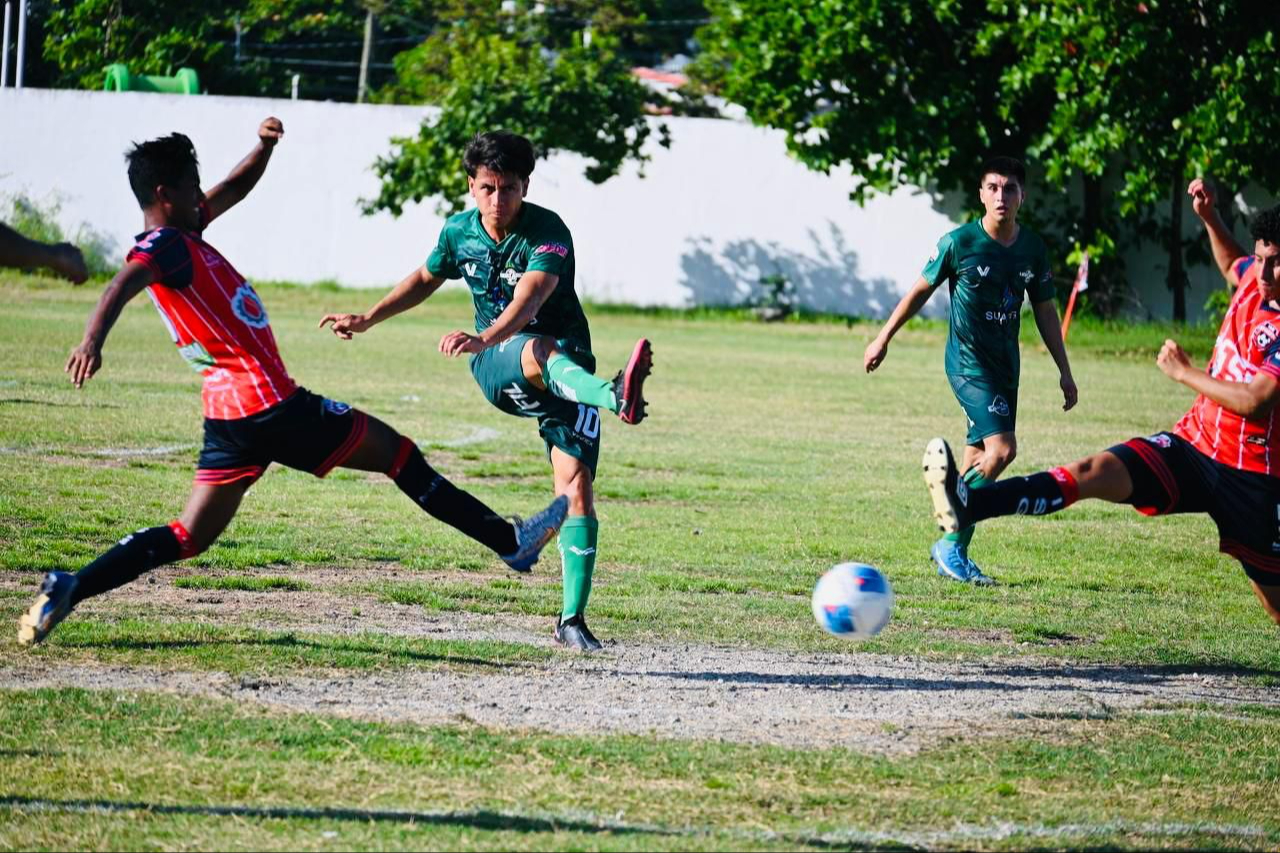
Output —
<point x="1266" y="225"/>
<point x="500" y="151"/>
<point x="1007" y="167"/>
<point x="160" y="162"/>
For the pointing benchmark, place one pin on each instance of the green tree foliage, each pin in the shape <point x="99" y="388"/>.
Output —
<point x="495" y="70"/>
<point x="1130" y="99"/>
<point x="318" y="38"/>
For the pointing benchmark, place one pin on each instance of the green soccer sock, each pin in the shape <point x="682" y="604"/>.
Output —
<point x="566" y="378"/>
<point x="976" y="481"/>
<point x="578" y="556"/>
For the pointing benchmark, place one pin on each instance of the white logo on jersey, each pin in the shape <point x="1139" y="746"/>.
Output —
<point x="982" y="271"/>
<point x="1027" y="275"/>
<point x="510" y="276"/>
<point x="248" y="307"/>
<point x="1264" y="336"/>
<point x="470" y="268"/>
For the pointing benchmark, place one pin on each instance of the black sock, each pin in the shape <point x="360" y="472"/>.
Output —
<point x="1039" y="494"/>
<point x="456" y="508"/>
<point x="134" y="554"/>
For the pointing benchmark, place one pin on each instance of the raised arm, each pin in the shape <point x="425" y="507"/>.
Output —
<point x="1226" y="249"/>
<point x="1050" y="327"/>
<point x="412" y="290"/>
<point x="86" y="358"/>
<point x="63" y="258"/>
<point x="232" y="190"/>
<point x="530" y="292"/>
<point x="907" y="307"/>
<point x="1252" y="399"/>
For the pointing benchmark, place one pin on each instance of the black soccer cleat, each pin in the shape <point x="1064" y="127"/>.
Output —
<point x="949" y="492"/>
<point x="628" y="385"/>
<point x="51" y="606"/>
<point x="573" y="633"/>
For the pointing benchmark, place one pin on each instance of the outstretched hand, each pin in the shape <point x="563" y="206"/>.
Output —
<point x="874" y="354"/>
<point x="1174" y="361"/>
<point x="84" y="361"/>
<point x="1070" y="394"/>
<point x="345" y="325"/>
<point x="270" y="131"/>
<point x="67" y="261"/>
<point x="459" y="343"/>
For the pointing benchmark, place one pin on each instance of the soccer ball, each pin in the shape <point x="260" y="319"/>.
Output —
<point x="853" y="600"/>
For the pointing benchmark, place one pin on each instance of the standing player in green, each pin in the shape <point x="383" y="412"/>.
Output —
<point x="989" y="265"/>
<point x="531" y="354"/>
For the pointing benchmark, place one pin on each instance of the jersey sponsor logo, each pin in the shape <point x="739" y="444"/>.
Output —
<point x="510" y="276"/>
<point x="197" y="356"/>
<point x="999" y="406"/>
<point x="333" y="407"/>
<point x="982" y="271"/>
<point x="518" y="396"/>
<point x="554" y="248"/>
<point x="1265" y="335"/>
<point x="248" y="307"/>
<point x="1009" y="305"/>
<point x="148" y="241"/>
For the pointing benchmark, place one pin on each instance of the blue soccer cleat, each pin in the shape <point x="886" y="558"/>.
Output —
<point x="976" y="576"/>
<point x="533" y="534"/>
<point x="51" y="606"/>
<point x="951" y="560"/>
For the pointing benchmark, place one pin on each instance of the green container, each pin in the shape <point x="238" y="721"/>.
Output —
<point x="118" y="79"/>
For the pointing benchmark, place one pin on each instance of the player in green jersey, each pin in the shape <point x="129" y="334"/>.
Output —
<point x="531" y="354"/>
<point x="989" y="265"/>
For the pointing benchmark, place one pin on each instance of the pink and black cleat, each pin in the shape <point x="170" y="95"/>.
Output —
<point x="628" y="385"/>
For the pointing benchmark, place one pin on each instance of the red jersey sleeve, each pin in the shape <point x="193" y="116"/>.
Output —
<point x="165" y="253"/>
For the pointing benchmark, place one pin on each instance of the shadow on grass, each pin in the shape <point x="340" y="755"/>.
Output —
<point x="479" y="819"/>
<point x="290" y="642"/>
<point x="1112" y="678"/>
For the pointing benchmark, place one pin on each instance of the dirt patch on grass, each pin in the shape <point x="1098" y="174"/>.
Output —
<point x="869" y="703"/>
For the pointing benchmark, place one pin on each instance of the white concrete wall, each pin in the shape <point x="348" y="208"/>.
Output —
<point x="719" y="209"/>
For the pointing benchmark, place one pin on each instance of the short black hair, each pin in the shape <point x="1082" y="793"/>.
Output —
<point x="1007" y="167"/>
<point x="500" y="151"/>
<point x="164" y="161"/>
<point x="1266" y="225"/>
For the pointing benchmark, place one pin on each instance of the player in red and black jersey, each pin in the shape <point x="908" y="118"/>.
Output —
<point x="255" y="414"/>
<point x="1222" y="458"/>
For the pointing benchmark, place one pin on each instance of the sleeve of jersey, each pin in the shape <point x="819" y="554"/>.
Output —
<point x="1041" y="288"/>
<point x="1240" y="265"/>
<point x="551" y="252"/>
<point x="442" y="261"/>
<point x="165" y="253"/>
<point x="941" y="265"/>
<point x="1271" y="364"/>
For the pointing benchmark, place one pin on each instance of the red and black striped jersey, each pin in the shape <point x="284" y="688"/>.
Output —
<point x="1248" y="343"/>
<point x="217" y="321"/>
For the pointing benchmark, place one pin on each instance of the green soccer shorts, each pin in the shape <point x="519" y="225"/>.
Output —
<point x="991" y="407"/>
<point x="572" y="427"/>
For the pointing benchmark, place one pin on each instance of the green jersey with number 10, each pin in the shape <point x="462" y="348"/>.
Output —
<point x="538" y="240"/>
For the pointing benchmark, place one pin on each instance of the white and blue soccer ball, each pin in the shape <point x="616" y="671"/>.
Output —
<point x="853" y="600"/>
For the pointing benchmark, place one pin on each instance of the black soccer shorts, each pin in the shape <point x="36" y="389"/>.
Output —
<point x="307" y="432"/>
<point x="1170" y="476"/>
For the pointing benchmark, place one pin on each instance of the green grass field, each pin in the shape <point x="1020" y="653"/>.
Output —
<point x="768" y="456"/>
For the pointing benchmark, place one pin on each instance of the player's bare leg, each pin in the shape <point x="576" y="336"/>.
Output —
<point x="209" y="510"/>
<point x="577" y="550"/>
<point x="1269" y="596"/>
<point x="548" y="368"/>
<point x="517" y="541"/>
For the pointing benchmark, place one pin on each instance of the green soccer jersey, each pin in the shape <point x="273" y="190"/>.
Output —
<point x="987" y="282"/>
<point x="538" y="240"/>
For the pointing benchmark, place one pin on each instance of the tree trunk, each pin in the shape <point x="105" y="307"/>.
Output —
<point x="1177" y="271"/>
<point x="1101" y="297"/>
